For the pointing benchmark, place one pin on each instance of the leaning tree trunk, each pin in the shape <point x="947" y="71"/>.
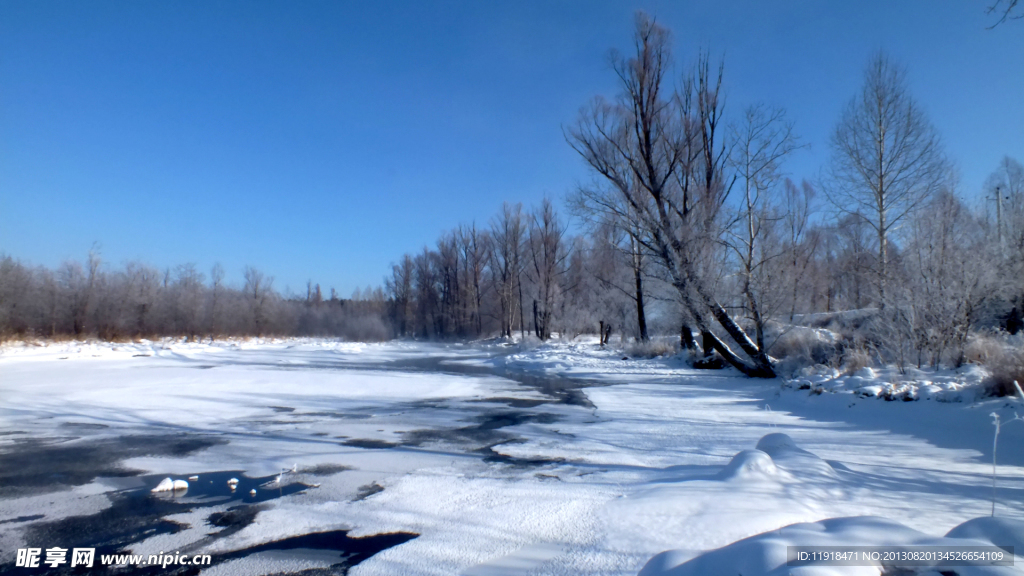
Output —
<point x="688" y="284"/>
<point x="760" y="365"/>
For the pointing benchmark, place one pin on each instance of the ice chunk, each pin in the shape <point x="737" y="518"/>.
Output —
<point x="168" y="485"/>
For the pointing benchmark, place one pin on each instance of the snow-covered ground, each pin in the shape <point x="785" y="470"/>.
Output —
<point x="498" y="476"/>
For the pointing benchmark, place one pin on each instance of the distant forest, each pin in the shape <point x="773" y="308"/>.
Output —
<point x="689" y="227"/>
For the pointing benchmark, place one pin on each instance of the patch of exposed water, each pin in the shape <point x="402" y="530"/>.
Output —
<point x="136" y="513"/>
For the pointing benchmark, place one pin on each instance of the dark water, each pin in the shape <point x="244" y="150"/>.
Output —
<point x="558" y="389"/>
<point x="38" y="465"/>
<point x="350" y="551"/>
<point x="138" y="513"/>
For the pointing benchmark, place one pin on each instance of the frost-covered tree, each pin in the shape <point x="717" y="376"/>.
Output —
<point x="258" y="293"/>
<point x="639" y="144"/>
<point x="948" y="277"/>
<point x="886" y="159"/>
<point x="547" y="258"/>
<point x="615" y="225"/>
<point x="508" y="233"/>
<point x="761" y="142"/>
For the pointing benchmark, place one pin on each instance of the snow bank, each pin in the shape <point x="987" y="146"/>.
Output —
<point x="788" y="456"/>
<point x="997" y="530"/>
<point x="961" y="385"/>
<point x="766" y="554"/>
<point x="750" y="465"/>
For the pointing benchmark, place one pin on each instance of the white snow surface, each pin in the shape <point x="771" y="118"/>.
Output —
<point x="670" y="463"/>
<point x="766" y="554"/>
<point x="940" y="385"/>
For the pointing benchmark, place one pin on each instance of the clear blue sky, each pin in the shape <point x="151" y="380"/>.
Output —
<point x="321" y="140"/>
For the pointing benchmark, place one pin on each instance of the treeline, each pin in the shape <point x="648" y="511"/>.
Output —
<point x="522" y="273"/>
<point x="138" y="301"/>
<point x="954" y="269"/>
<point x="691" y="224"/>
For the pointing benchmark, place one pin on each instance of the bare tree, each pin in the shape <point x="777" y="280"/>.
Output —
<point x="615" y="223"/>
<point x="258" y="290"/>
<point x="1005" y="188"/>
<point x="188" y="290"/>
<point x="886" y="158"/>
<point x="949" y="277"/>
<point x="800" y="244"/>
<point x="80" y="287"/>
<point x="1005" y="191"/>
<point x="639" y="145"/>
<point x="619" y="263"/>
<point x="141" y="301"/>
<point x="474" y="246"/>
<point x="761" y="142"/>
<point x="508" y="231"/>
<point x="15" y="290"/>
<point x="427" y="288"/>
<point x="548" y="254"/>
<point x="400" y="290"/>
<point x="215" y="311"/>
<point x="446" y="263"/>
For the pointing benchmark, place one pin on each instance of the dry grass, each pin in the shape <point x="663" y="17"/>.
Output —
<point x="651" y="349"/>
<point x="1003" y="356"/>
<point x="984" y="348"/>
<point x="854" y="359"/>
<point x="810" y="345"/>
<point x="1005" y="367"/>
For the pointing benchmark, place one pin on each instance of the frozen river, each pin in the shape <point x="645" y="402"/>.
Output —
<point x="430" y="459"/>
